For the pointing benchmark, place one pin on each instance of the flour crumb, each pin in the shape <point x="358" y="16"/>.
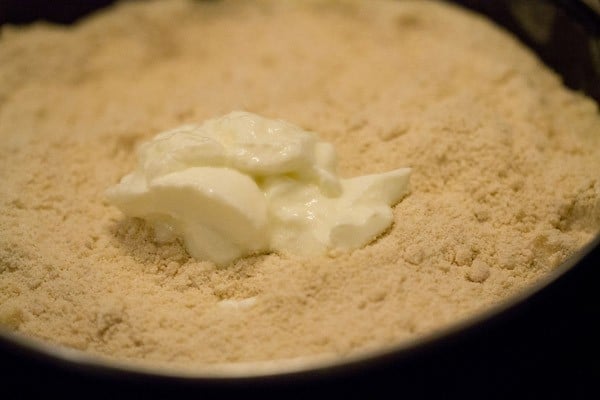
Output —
<point x="478" y="272"/>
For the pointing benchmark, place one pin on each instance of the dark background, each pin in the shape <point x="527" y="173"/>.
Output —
<point x="60" y="11"/>
<point x="546" y="347"/>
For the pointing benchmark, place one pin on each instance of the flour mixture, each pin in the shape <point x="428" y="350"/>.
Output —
<point x="505" y="180"/>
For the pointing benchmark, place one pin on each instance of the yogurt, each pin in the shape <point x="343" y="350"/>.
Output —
<point x="243" y="184"/>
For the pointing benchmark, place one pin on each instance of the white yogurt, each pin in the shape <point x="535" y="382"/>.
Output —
<point x="243" y="184"/>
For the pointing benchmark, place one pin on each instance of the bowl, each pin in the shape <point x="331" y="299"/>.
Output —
<point x="541" y="341"/>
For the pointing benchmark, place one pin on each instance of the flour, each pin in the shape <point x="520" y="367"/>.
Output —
<point x="505" y="182"/>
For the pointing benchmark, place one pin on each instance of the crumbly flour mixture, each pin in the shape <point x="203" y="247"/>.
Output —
<point x="505" y="181"/>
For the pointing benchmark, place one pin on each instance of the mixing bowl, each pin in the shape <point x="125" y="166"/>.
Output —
<point x="541" y="342"/>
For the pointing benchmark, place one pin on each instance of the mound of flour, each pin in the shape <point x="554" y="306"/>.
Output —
<point x="505" y="181"/>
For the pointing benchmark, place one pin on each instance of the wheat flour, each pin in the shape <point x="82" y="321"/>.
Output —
<point x="505" y="180"/>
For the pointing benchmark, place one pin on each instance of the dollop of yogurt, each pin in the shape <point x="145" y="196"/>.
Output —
<point x="243" y="184"/>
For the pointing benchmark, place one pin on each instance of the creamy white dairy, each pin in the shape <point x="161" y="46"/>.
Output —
<point x="243" y="184"/>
